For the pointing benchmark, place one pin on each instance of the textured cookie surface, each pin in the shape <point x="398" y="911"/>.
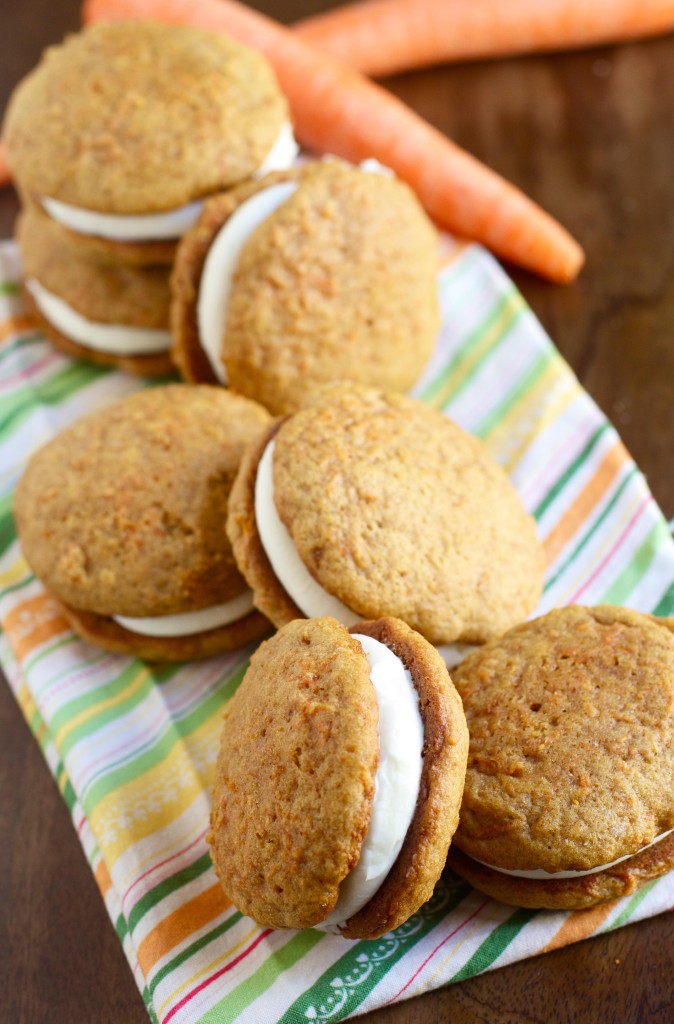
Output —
<point x="294" y="779"/>
<point x="123" y="513"/>
<point x="396" y="511"/>
<point x="338" y="283"/>
<point x="102" y="292"/>
<point x="137" y="117"/>
<point x="571" y="763"/>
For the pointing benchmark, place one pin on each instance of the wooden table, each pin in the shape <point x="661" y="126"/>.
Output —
<point x="590" y="136"/>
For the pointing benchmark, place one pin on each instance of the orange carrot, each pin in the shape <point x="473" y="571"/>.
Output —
<point x="382" y="37"/>
<point x="5" y="173"/>
<point x="336" y="110"/>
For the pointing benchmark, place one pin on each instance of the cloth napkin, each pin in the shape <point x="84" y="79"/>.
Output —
<point x="132" y="746"/>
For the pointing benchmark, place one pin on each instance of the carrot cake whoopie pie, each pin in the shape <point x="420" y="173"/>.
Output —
<point x="122" y="517"/>
<point x="366" y="504"/>
<point x="569" y="795"/>
<point x="324" y="272"/>
<point x="107" y="313"/>
<point x="339" y="778"/>
<point x="122" y="130"/>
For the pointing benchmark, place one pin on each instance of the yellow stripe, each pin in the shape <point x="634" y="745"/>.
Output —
<point x="509" y="441"/>
<point x="477" y="352"/>
<point x="159" y="796"/>
<point x="87" y="713"/>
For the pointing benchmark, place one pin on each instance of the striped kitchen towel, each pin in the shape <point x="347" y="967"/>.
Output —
<point x="132" y="746"/>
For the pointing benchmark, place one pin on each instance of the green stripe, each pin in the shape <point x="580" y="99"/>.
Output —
<point x="593" y="529"/>
<point x="9" y="288"/>
<point x="492" y="947"/>
<point x="636" y="568"/>
<point x="171" y="884"/>
<point x="122" y="930"/>
<point x="131" y="672"/>
<point x="19" y="585"/>
<point x="563" y="480"/>
<point x="665" y="605"/>
<point x="7" y="527"/>
<point x="52" y="391"/>
<point x="522" y="386"/>
<point x="503" y="316"/>
<point x="195" y="947"/>
<point x="624" y="916"/>
<point x="62" y="641"/>
<point x="351" y="978"/>
<point x="256" y="984"/>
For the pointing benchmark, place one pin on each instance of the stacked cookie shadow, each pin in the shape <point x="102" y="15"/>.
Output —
<point x="277" y="489"/>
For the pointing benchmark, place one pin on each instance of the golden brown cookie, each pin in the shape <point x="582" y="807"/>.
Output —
<point x="295" y="778"/>
<point x="105" y="295"/>
<point x="571" y="764"/>
<point x="141" y="117"/>
<point x="122" y="518"/>
<point x="393" y="510"/>
<point x="337" y="283"/>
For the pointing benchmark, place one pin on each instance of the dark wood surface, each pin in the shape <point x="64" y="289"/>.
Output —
<point x="590" y="136"/>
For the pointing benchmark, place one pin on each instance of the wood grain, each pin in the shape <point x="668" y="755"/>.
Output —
<point x="589" y="135"/>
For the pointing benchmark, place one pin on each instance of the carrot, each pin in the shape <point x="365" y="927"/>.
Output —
<point x="383" y="37"/>
<point x="337" y="110"/>
<point x="5" y="173"/>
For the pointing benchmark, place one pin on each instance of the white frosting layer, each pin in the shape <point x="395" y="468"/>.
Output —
<point x="114" y="339"/>
<point x="168" y="224"/>
<point x="141" y="227"/>
<point x="307" y="593"/>
<point x="554" y="875"/>
<point x="282" y="154"/>
<point x="401" y="739"/>
<point x="217" y="277"/>
<point x="189" y="623"/>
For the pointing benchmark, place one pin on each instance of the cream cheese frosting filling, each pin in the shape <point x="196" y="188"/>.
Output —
<point x="293" y="575"/>
<point x="190" y="623"/>
<point x="168" y="224"/>
<point x="552" y="876"/>
<point x="397" y="780"/>
<point x="217" y="277"/>
<point x="115" y="339"/>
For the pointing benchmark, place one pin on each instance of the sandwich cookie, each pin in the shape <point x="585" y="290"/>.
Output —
<point x="326" y="272"/>
<point x="122" y="518"/>
<point x="121" y="131"/>
<point x="111" y="314"/>
<point x="366" y="504"/>
<point x="339" y="778"/>
<point x="569" y="796"/>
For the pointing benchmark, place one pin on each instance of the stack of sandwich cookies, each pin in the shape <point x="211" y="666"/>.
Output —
<point x="367" y="504"/>
<point x="122" y="517"/>
<point x="323" y="273"/>
<point x="339" y="778"/>
<point x="120" y="132"/>
<point x="569" y="796"/>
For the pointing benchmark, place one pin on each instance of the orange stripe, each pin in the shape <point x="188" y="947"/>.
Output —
<point x="32" y="623"/>
<point x="184" y="921"/>
<point x="16" y="325"/>
<point x="580" y="925"/>
<point x="102" y="876"/>
<point x="591" y="495"/>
